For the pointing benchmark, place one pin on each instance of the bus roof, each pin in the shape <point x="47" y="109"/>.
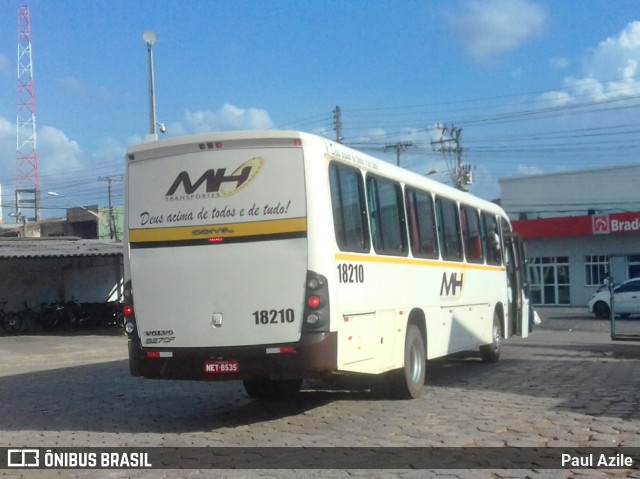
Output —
<point x="332" y="148"/>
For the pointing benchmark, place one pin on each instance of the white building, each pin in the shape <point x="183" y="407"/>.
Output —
<point x="573" y="224"/>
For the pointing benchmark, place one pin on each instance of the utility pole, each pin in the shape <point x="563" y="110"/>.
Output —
<point x="400" y="146"/>
<point x="113" y="229"/>
<point x="337" y="121"/>
<point x="461" y="174"/>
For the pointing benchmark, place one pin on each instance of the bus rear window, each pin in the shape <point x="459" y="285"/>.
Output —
<point x="349" y="210"/>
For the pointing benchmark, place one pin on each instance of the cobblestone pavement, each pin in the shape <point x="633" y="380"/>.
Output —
<point x="568" y="385"/>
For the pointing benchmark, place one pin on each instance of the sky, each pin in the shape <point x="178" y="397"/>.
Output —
<point x="534" y="86"/>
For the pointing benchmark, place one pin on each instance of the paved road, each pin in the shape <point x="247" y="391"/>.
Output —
<point x="568" y="385"/>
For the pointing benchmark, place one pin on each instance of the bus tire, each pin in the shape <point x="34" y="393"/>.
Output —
<point x="271" y="389"/>
<point x="408" y="382"/>
<point x="490" y="353"/>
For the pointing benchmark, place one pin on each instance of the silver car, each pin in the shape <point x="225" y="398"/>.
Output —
<point x="626" y="300"/>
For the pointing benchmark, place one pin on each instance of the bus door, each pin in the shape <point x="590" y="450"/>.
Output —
<point x="519" y="306"/>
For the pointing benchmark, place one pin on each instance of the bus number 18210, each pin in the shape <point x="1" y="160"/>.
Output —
<point x="273" y="316"/>
<point x="350" y="273"/>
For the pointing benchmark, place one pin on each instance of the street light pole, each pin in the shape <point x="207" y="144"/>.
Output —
<point x="97" y="215"/>
<point x="20" y="217"/>
<point x="150" y="38"/>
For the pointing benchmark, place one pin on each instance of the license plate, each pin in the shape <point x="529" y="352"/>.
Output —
<point x="225" y="366"/>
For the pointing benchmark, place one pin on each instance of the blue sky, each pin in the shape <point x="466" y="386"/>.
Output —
<point x="537" y="86"/>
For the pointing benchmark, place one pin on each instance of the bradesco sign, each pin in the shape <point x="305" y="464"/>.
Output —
<point x="614" y="223"/>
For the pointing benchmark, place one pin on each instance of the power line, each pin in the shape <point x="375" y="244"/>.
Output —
<point x="113" y="228"/>
<point x="400" y="146"/>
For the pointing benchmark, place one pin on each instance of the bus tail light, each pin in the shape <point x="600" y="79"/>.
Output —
<point x="316" y="306"/>
<point x="314" y="302"/>
<point x="128" y="313"/>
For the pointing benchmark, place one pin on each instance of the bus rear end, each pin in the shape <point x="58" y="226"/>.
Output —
<point x="218" y="282"/>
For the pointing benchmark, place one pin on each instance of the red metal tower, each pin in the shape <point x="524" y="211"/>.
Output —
<point x="27" y="184"/>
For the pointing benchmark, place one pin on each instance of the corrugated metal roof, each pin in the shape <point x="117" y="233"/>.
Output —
<point x="57" y="248"/>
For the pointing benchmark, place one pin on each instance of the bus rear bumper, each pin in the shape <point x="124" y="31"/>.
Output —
<point x="315" y="355"/>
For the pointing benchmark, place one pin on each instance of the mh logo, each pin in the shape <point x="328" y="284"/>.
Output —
<point x="450" y="285"/>
<point x="217" y="182"/>
<point x="600" y="224"/>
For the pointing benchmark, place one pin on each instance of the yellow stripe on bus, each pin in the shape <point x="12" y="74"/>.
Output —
<point x="414" y="261"/>
<point x="229" y="230"/>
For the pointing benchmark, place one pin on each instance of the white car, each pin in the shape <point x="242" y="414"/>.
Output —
<point x="626" y="297"/>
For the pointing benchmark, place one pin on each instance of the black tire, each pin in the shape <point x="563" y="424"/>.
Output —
<point x="490" y="353"/>
<point x="408" y="382"/>
<point x="11" y="322"/>
<point x="601" y="310"/>
<point x="272" y="390"/>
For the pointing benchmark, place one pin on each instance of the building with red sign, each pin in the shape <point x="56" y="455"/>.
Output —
<point x="579" y="227"/>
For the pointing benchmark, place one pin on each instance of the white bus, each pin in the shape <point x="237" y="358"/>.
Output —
<point x="274" y="256"/>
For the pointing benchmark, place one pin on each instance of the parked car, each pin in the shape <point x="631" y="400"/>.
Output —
<point x="626" y="297"/>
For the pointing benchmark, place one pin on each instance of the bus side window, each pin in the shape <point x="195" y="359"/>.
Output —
<point x="349" y="209"/>
<point x="386" y="216"/>
<point x="492" y="239"/>
<point x="471" y="234"/>
<point x="422" y="224"/>
<point x="449" y="229"/>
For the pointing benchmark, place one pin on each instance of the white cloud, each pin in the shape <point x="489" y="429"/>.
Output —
<point x="555" y="98"/>
<point x="8" y="154"/>
<point x="56" y="152"/>
<point x="491" y="28"/>
<point x="229" y="117"/>
<point x="610" y="70"/>
<point x="613" y="52"/>
<point x="57" y="155"/>
<point x="6" y="127"/>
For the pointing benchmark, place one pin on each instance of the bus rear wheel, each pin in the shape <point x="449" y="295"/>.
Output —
<point x="490" y="353"/>
<point x="408" y="382"/>
<point x="271" y="389"/>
